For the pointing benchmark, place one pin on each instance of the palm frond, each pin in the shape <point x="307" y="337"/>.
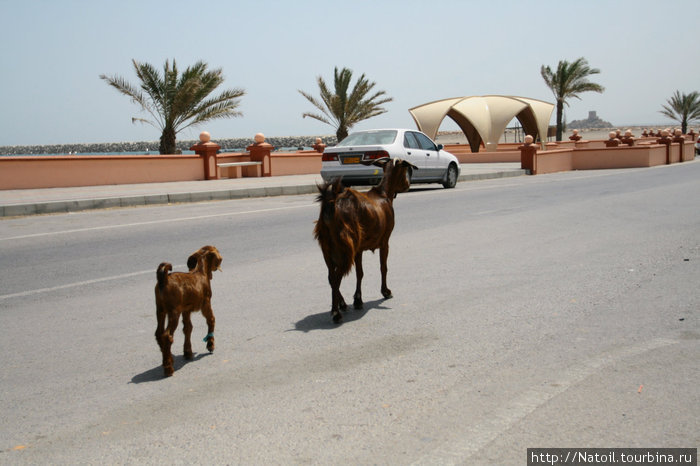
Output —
<point x="178" y="100"/>
<point x="224" y="105"/>
<point x="682" y="107"/>
<point x="124" y="87"/>
<point x="568" y="81"/>
<point x="344" y="107"/>
<point x="325" y="106"/>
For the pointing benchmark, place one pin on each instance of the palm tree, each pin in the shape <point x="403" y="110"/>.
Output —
<point x="176" y="102"/>
<point x="341" y="110"/>
<point x="683" y="107"/>
<point x="568" y="81"/>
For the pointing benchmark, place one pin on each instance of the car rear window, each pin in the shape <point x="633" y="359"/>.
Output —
<point x="369" y="138"/>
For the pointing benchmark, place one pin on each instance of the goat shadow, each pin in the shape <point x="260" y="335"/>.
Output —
<point x="323" y="321"/>
<point x="156" y="374"/>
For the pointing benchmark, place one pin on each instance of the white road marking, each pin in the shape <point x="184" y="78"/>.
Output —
<point x="22" y="294"/>
<point x="152" y="222"/>
<point x="467" y="186"/>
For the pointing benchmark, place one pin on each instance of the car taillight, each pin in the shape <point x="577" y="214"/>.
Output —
<point x="375" y="154"/>
<point x="329" y="157"/>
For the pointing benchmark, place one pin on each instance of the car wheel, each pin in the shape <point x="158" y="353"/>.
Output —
<point x="450" y="177"/>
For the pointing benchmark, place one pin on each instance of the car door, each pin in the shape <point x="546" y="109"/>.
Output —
<point x="414" y="152"/>
<point x="430" y="155"/>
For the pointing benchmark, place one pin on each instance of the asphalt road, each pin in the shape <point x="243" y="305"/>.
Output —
<point x="548" y="311"/>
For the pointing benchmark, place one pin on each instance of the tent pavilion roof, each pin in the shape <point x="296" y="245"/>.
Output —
<point x="484" y="118"/>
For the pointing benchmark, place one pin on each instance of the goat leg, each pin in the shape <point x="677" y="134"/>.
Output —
<point x="337" y="301"/>
<point x="335" y="311"/>
<point x="167" y="341"/>
<point x="341" y="302"/>
<point x="383" y="255"/>
<point x="187" y="330"/>
<point x="334" y="279"/>
<point x="160" y="329"/>
<point x="336" y="316"/>
<point x="208" y="314"/>
<point x="168" y="369"/>
<point x="359" y="273"/>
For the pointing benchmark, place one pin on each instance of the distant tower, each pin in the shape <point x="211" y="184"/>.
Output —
<point x="592" y="115"/>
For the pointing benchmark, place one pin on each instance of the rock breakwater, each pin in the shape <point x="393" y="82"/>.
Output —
<point x="151" y="147"/>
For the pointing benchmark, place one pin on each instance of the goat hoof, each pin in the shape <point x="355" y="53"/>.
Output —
<point x="189" y="355"/>
<point x="358" y="304"/>
<point x="210" y="345"/>
<point x="337" y="317"/>
<point x="168" y="372"/>
<point x="387" y="294"/>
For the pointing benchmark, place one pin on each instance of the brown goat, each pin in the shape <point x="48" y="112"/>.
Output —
<point x="183" y="293"/>
<point x="351" y="222"/>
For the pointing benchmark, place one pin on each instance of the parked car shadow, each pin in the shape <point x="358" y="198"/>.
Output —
<point x="323" y="321"/>
<point x="155" y="374"/>
<point x="430" y="187"/>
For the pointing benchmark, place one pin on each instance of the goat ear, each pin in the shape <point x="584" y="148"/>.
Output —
<point x="214" y="259"/>
<point x="192" y="260"/>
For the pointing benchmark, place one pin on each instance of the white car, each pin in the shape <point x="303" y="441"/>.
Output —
<point x="435" y="165"/>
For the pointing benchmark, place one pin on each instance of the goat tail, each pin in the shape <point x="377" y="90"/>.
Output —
<point x="162" y="274"/>
<point x="344" y="256"/>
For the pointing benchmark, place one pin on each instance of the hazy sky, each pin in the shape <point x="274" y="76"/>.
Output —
<point x="417" y="51"/>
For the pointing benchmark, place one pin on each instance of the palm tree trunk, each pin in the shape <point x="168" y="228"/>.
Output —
<point x="560" y="112"/>
<point x="167" y="141"/>
<point x="341" y="133"/>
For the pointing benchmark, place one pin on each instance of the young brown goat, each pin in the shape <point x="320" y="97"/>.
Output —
<point x="351" y="222"/>
<point x="183" y="293"/>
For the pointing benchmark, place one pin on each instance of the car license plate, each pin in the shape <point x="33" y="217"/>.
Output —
<point x="351" y="160"/>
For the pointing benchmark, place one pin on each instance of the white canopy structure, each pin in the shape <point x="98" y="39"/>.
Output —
<point x="484" y="118"/>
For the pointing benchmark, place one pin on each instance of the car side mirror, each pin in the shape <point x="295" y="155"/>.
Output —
<point x="440" y="147"/>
